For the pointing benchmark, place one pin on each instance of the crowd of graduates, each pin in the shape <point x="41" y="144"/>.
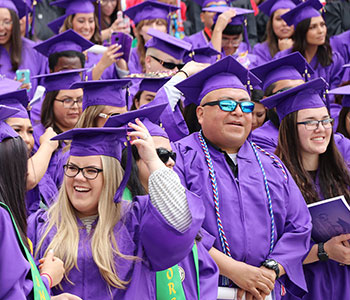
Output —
<point x="170" y="150"/>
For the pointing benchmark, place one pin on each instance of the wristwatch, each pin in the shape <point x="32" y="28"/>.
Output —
<point x="321" y="253"/>
<point x="272" y="265"/>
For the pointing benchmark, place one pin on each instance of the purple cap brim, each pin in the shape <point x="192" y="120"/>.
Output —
<point x="304" y="96"/>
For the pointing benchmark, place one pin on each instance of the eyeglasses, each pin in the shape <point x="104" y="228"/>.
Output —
<point x="168" y="65"/>
<point x="69" y="102"/>
<point x="89" y="173"/>
<point x="314" y="124"/>
<point x="107" y="116"/>
<point x="230" y="105"/>
<point x="165" y="154"/>
<point x="6" y="23"/>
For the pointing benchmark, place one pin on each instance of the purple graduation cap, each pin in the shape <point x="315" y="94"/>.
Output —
<point x="98" y="141"/>
<point x="292" y="66"/>
<point x="75" y="6"/>
<point x="153" y="84"/>
<point x="148" y="10"/>
<point x="308" y="95"/>
<point x="205" y="3"/>
<point x="6" y="130"/>
<point x="201" y="54"/>
<point x="226" y="73"/>
<point x="55" y="25"/>
<point x="60" y="80"/>
<point x="18" y="100"/>
<point x="104" y="92"/>
<point x="8" y="4"/>
<point x="148" y="115"/>
<point x="68" y="40"/>
<point x="11" y="96"/>
<point x="343" y="90"/>
<point x="168" y="44"/>
<point x="302" y="11"/>
<point x="20" y="7"/>
<point x="72" y="7"/>
<point x="268" y="7"/>
<point x="239" y="19"/>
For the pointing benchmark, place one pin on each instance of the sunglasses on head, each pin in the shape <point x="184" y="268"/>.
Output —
<point x="165" y="154"/>
<point x="168" y="65"/>
<point x="230" y="105"/>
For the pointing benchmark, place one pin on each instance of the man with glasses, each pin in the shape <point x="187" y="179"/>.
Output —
<point x="253" y="207"/>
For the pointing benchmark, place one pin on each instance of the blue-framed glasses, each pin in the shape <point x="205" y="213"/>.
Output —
<point x="230" y="105"/>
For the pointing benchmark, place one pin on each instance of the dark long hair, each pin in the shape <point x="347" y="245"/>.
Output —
<point x="334" y="178"/>
<point x="47" y="113"/>
<point x="324" y="52"/>
<point x="271" y="37"/>
<point x="13" y="181"/>
<point x="15" y="42"/>
<point x="134" y="184"/>
<point x="342" y="122"/>
<point x="191" y="119"/>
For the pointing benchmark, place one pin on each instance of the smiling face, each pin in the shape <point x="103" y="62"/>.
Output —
<point x="316" y="35"/>
<point x="84" y="24"/>
<point x="5" y="26"/>
<point x="279" y="26"/>
<point x="313" y="142"/>
<point x="84" y="194"/>
<point x="226" y="130"/>
<point x="66" y="118"/>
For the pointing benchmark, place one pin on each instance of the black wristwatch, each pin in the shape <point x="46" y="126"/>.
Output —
<point x="272" y="265"/>
<point x="321" y="253"/>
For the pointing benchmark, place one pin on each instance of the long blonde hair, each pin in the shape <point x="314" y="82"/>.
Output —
<point x="89" y="116"/>
<point x="65" y="242"/>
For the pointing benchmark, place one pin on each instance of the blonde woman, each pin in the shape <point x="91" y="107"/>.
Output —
<point x="109" y="247"/>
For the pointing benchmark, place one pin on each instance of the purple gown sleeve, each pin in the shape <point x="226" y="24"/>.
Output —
<point x="168" y="246"/>
<point x="293" y="245"/>
<point x="172" y="121"/>
<point x="13" y="267"/>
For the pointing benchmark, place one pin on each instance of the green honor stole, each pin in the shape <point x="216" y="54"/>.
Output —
<point x="39" y="290"/>
<point x="169" y="284"/>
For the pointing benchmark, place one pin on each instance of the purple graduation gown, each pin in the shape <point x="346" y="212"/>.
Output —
<point x="13" y="267"/>
<point x="135" y="234"/>
<point x="54" y="169"/>
<point x="340" y="43"/>
<point x="325" y="280"/>
<point x="172" y="121"/>
<point x="244" y="208"/>
<point x="198" y="40"/>
<point x="332" y="73"/>
<point x="266" y="136"/>
<point x="134" y="62"/>
<point x="31" y="59"/>
<point x="261" y="50"/>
